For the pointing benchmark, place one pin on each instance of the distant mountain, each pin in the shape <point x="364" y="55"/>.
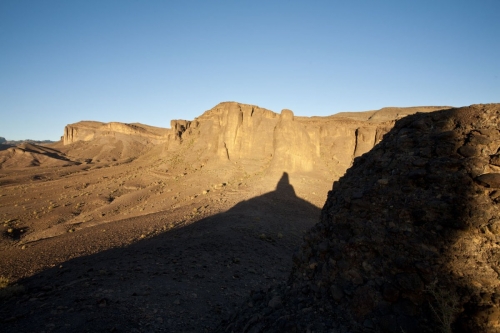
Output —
<point x="18" y="142"/>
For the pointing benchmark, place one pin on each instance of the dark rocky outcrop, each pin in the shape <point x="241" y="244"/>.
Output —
<point x="408" y="239"/>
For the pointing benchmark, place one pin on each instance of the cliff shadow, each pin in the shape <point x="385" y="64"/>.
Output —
<point x="183" y="280"/>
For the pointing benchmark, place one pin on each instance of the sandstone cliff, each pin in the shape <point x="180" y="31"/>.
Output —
<point x="89" y="130"/>
<point x="242" y="136"/>
<point x="258" y="139"/>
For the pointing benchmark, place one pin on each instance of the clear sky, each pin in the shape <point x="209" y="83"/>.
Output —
<point x="153" y="61"/>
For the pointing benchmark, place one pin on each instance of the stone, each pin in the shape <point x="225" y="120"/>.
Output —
<point x="275" y="302"/>
<point x="383" y="181"/>
<point x="469" y="151"/>
<point x="494" y="227"/>
<point x="336" y="293"/>
<point x="490" y="179"/>
<point x="287" y="114"/>
<point x="495" y="160"/>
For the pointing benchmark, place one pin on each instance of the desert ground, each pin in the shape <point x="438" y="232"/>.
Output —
<point x="162" y="256"/>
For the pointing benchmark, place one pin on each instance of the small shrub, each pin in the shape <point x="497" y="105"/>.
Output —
<point x="4" y="282"/>
<point x="445" y="306"/>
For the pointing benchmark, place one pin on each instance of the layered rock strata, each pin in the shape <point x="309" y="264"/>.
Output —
<point x="257" y="139"/>
<point x="89" y="130"/>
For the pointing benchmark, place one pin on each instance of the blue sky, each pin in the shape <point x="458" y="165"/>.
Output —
<point x="153" y="61"/>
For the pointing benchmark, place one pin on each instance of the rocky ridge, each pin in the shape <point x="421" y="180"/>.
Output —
<point x="89" y="130"/>
<point x="258" y="139"/>
<point x="28" y="154"/>
<point x="254" y="138"/>
<point x="407" y="240"/>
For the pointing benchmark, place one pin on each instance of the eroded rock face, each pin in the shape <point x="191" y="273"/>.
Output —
<point x="408" y="238"/>
<point x="259" y="139"/>
<point x="88" y="130"/>
<point x="255" y="139"/>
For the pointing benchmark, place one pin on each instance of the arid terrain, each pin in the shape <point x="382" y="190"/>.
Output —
<point x="134" y="228"/>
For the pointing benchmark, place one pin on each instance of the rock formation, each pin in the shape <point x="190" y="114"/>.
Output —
<point x="251" y="138"/>
<point x="258" y="139"/>
<point x="89" y="130"/>
<point x="407" y="240"/>
<point x="96" y="141"/>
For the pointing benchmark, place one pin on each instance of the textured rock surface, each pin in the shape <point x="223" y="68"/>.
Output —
<point x="258" y="139"/>
<point x="88" y="130"/>
<point x="408" y="239"/>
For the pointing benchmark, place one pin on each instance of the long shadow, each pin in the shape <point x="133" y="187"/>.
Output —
<point x="53" y="153"/>
<point x="183" y="280"/>
<point x="4" y="146"/>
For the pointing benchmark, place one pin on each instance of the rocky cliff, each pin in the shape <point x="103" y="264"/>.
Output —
<point x="258" y="139"/>
<point x="89" y="130"/>
<point x="407" y="240"/>
<point x="248" y="137"/>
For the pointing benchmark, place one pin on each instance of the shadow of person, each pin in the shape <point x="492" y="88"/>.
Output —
<point x="284" y="188"/>
<point x="185" y="279"/>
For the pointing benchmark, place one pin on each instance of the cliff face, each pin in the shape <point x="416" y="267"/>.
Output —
<point x="253" y="138"/>
<point x="258" y="139"/>
<point x="89" y="130"/>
